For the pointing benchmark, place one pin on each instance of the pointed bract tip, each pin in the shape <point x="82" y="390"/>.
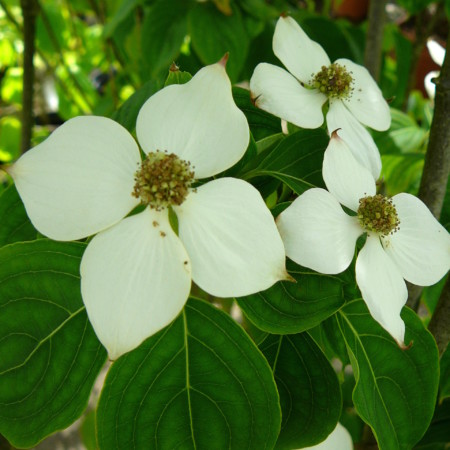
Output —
<point x="335" y="135"/>
<point x="174" y="68"/>
<point x="405" y="347"/>
<point x="288" y="277"/>
<point x="284" y="14"/>
<point x="224" y="59"/>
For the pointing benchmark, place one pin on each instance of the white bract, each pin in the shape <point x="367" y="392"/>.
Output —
<point x="437" y="53"/>
<point x="339" y="439"/>
<point x="136" y="272"/>
<point x="299" y="95"/>
<point x="404" y="240"/>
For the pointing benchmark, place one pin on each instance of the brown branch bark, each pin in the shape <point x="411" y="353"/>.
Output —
<point x="374" y="38"/>
<point x="436" y="169"/>
<point x="29" y="13"/>
<point x="439" y="325"/>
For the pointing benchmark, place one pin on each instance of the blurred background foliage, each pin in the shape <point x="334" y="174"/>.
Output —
<point x="92" y="56"/>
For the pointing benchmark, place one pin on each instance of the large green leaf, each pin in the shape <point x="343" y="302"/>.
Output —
<point x="395" y="389"/>
<point x="49" y="354"/>
<point x="213" y="34"/>
<point x="15" y="225"/>
<point x="163" y="31"/>
<point x="296" y="161"/>
<point x="199" y="383"/>
<point x="288" y="307"/>
<point x="310" y="395"/>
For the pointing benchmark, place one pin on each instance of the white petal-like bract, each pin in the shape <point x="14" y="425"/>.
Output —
<point x="135" y="279"/>
<point x="231" y="239"/>
<point x="198" y="121"/>
<point x="317" y="233"/>
<point x="275" y="90"/>
<point x="366" y="101"/>
<point x="299" y="54"/>
<point x="345" y="178"/>
<point x="421" y="247"/>
<point x="358" y="139"/>
<point x="382" y="287"/>
<point x="79" y="180"/>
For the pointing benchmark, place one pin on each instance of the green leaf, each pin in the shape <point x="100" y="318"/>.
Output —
<point x="15" y="224"/>
<point x="296" y="161"/>
<point x="402" y="173"/>
<point x="288" y="307"/>
<point x="163" y="32"/>
<point x="49" y="354"/>
<point x="177" y="77"/>
<point x="214" y="34"/>
<point x="128" y="112"/>
<point x="438" y="434"/>
<point x="310" y="395"/>
<point x="395" y="389"/>
<point x="261" y="123"/>
<point x="199" y="383"/>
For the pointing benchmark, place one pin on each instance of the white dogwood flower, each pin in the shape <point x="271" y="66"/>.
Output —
<point x="298" y="96"/>
<point x="338" y="439"/>
<point x="136" y="272"/>
<point x="404" y="240"/>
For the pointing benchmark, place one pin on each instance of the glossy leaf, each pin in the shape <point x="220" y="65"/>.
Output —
<point x="49" y="354"/>
<point x="310" y="395"/>
<point x="396" y="388"/>
<point x="199" y="383"/>
<point x="15" y="225"/>
<point x="296" y="161"/>
<point x="289" y="307"/>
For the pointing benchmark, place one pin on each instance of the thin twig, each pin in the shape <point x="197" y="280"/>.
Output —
<point x="374" y="38"/>
<point x="29" y="12"/>
<point x="439" y="324"/>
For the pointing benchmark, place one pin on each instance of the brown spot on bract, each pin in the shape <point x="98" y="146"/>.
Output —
<point x="155" y="223"/>
<point x="162" y="234"/>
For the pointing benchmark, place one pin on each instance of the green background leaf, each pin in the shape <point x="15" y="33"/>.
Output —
<point x="395" y="389"/>
<point x="15" y="225"/>
<point x="289" y="307"/>
<point x="213" y="34"/>
<point x="49" y="354"/>
<point x="310" y="395"/>
<point x="163" y="32"/>
<point x="296" y="161"/>
<point x="199" y="383"/>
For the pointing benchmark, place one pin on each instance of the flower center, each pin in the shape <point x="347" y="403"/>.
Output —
<point x="333" y="81"/>
<point x="378" y="214"/>
<point x="163" y="180"/>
